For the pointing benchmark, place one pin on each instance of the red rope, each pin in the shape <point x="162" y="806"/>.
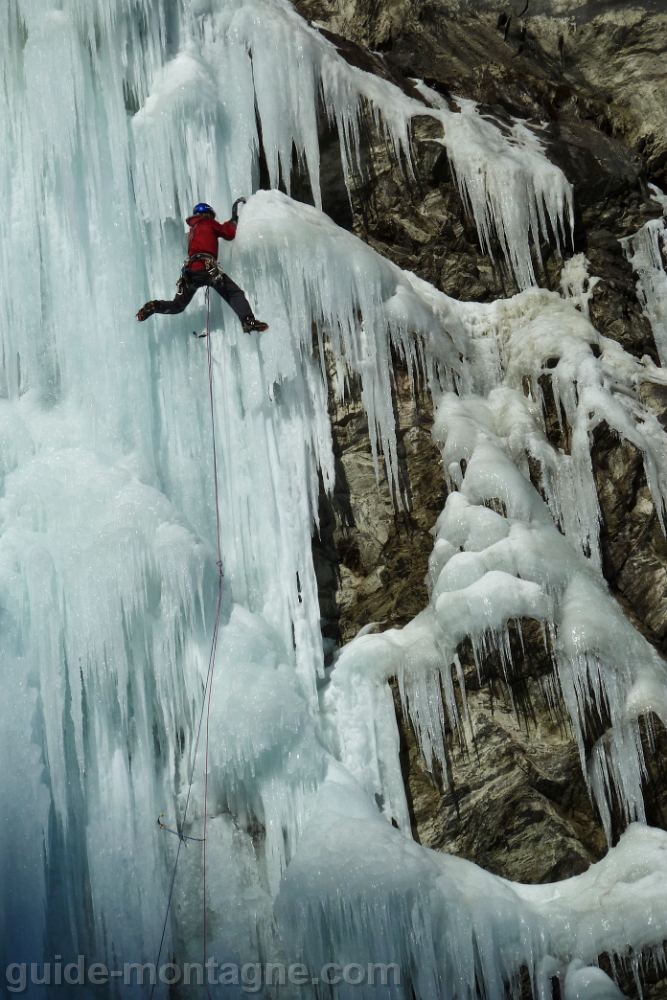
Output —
<point x="217" y="616"/>
<point x="208" y="687"/>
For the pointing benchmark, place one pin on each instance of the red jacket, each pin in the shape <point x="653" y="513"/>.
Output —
<point x="203" y="237"/>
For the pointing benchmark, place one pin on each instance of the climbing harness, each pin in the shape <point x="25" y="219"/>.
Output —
<point x="207" y="259"/>
<point x="208" y="686"/>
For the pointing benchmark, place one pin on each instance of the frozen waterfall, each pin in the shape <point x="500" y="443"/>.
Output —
<point x="116" y="116"/>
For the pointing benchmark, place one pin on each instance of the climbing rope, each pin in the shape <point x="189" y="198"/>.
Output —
<point x="217" y="615"/>
<point x="208" y="686"/>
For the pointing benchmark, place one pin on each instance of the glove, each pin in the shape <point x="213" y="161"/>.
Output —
<point x="235" y="210"/>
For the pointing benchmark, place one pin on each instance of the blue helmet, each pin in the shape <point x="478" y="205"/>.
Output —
<point x="202" y="208"/>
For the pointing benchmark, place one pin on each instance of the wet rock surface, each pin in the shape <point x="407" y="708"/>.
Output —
<point x="634" y="548"/>
<point x="371" y="554"/>
<point x="587" y="76"/>
<point x="514" y="797"/>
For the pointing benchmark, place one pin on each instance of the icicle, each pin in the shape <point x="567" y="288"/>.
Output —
<point x="646" y="251"/>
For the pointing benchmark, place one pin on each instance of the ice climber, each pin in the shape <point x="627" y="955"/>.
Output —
<point x="201" y="268"/>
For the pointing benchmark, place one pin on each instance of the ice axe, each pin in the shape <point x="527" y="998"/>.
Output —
<point x="235" y="210"/>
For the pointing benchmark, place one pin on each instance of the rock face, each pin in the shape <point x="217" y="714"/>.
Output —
<point x="374" y="541"/>
<point x="634" y="548"/>
<point x="598" y="61"/>
<point x="515" y="801"/>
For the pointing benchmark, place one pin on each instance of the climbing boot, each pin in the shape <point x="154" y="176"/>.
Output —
<point x="146" y="311"/>
<point x="250" y="324"/>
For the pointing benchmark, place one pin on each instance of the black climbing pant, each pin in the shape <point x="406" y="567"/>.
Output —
<point x="192" y="280"/>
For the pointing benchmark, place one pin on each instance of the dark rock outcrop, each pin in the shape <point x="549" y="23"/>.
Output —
<point x="514" y="798"/>
<point x="374" y="541"/>
<point x="634" y="547"/>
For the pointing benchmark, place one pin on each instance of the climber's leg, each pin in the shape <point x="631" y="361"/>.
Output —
<point x="186" y="287"/>
<point x="233" y="296"/>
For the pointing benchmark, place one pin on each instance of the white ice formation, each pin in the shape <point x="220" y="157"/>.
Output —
<point x="116" y="116"/>
<point x="647" y="252"/>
